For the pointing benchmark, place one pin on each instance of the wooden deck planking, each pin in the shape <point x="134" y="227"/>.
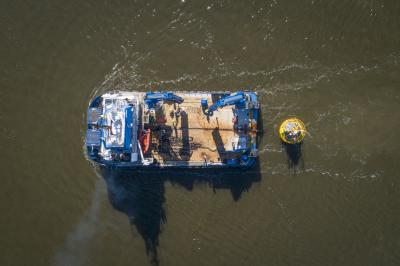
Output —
<point x="191" y="137"/>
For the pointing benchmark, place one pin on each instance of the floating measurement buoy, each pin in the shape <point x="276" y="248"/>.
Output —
<point x="292" y="131"/>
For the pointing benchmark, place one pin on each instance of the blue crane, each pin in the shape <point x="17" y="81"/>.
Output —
<point x="152" y="98"/>
<point x="238" y="99"/>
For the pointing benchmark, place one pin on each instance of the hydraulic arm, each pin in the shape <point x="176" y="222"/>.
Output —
<point x="238" y="99"/>
<point x="152" y="98"/>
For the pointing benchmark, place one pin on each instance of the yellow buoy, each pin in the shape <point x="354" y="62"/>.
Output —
<point x="292" y="131"/>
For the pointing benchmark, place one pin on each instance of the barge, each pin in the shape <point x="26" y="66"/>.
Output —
<point x="173" y="129"/>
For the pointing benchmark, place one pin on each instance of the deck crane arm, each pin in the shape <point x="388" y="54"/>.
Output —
<point x="152" y="98"/>
<point x="238" y="99"/>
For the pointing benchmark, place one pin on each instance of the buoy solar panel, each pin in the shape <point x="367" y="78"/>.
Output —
<point x="292" y="131"/>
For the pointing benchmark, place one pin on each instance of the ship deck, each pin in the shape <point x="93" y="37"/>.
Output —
<point x="182" y="133"/>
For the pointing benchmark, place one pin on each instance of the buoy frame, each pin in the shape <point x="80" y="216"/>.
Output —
<point x="292" y="131"/>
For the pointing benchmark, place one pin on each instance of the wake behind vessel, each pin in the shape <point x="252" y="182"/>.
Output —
<point x="180" y="129"/>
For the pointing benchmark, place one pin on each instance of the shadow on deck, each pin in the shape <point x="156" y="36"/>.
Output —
<point x="141" y="194"/>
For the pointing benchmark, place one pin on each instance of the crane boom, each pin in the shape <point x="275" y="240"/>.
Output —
<point x="238" y="99"/>
<point x="152" y="98"/>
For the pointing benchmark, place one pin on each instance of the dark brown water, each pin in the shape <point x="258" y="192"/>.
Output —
<point x="334" y="64"/>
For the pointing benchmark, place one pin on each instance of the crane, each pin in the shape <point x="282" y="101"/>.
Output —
<point x="152" y="98"/>
<point x="238" y="99"/>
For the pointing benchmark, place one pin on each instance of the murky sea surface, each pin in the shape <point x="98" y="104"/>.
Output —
<point x="334" y="64"/>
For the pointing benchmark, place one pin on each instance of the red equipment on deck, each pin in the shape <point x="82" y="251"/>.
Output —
<point x="144" y="139"/>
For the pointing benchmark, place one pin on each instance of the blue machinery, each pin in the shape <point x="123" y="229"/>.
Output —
<point x="238" y="99"/>
<point x="153" y="98"/>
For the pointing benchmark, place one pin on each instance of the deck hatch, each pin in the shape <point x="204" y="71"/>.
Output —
<point x="93" y="137"/>
<point x="93" y="115"/>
